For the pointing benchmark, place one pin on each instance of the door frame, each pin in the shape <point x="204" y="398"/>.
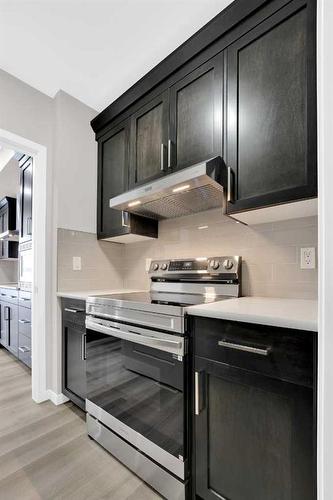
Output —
<point x="44" y="263"/>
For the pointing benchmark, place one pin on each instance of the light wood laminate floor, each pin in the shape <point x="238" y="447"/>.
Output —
<point x="45" y="452"/>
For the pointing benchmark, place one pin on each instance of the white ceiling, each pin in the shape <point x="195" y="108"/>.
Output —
<point x="94" y="49"/>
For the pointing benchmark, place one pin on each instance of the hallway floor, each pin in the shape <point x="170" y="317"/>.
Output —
<point x="45" y="452"/>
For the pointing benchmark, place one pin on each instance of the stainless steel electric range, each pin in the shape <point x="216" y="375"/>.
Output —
<point x="138" y="371"/>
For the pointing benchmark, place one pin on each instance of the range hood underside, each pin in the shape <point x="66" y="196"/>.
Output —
<point x="191" y="190"/>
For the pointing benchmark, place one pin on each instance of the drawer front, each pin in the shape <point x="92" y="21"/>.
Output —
<point x="24" y="299"/>
<point x="24" y="321"/>
<point x="9" y="295"/>
<point x="74" y="311"/>
<point x="24" y="350"/>
<point x="281" y="353"/>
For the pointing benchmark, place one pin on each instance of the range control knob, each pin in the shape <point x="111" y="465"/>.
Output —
<point x="228" y="264"/>
<point x="214" y="264"/>
<point x="164" y="267"/>
<point x="156" y="267"/>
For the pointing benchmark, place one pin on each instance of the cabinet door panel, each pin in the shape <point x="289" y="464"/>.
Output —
<point x="75" y="375"/>
<point x="254" y="436"/>
<point x="271" y="136"/>
<point x="26" y="201"/>
<point x="112" y="177"/>
<point x="149" y="131"/>
<point x="196" y="115"/>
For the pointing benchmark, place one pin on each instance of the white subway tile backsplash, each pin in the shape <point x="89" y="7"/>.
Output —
<point x="270" y="253"/>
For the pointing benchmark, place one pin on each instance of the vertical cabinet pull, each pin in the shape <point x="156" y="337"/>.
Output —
<point x="162" y="157"/>
<point x="124" y="216"/>
<point x="169" y="153"/>
<point x="84" y="347"/>
<point x="230" y="187"/>
<point x="198" y="392"/>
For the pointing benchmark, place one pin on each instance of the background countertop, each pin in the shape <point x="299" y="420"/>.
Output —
<point x="84" y="294"/>
<point x="301" y="314"/>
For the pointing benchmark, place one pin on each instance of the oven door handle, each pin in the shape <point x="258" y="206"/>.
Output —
<point x="162" y="344"/>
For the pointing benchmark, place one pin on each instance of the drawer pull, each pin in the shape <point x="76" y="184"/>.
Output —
<point x="70" y="310"/>
<point x="24" y="322"/>
<point x="24" y="349"/>
<point x="24" y="299"/>
<point x="246" y="348"/>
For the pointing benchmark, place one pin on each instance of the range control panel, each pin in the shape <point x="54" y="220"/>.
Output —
<point x="209" y="265"/>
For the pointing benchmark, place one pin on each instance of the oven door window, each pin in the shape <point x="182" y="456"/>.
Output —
<point x="140" y="386"/>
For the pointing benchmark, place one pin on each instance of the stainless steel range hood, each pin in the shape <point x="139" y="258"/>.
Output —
<point x="12" y="235"/>
<point x="193" y="189"/>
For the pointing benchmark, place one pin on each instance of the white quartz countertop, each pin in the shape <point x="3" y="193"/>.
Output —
<point x="84" y="294"/>
<point x="300" y="314"/>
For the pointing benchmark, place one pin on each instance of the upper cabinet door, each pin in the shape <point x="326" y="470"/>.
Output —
<point x="149" y="137"/>
<point x="271" y="117"/>
<point x="196" y="115"/>
<point x="112" y="179"/>
<point x="26" y="201"/>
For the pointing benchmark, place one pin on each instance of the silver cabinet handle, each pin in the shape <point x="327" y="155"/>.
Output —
<point x="245" y="348"/>
<point x="74" y="311"/>
<point x="169" y="153"/>
<point x="84" y="347"/>
<point x="24" y="299"/>
<point x="230" y="188"/>
<point x="123" y="223"/>
<point x="198" y="388"/>
<point x="162" y="157"/>
<point x="24" y="322"/>
<point x="24" y="349"/>
<point x="196" y="394"/>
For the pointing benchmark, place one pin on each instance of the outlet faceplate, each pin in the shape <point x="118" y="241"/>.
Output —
<point x="77" y="265"/>
<point x="308" y="258"/>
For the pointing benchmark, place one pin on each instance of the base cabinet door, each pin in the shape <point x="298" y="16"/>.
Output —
<point x="271" y="110"/>
<point x="253" y="436"/>
<point x="11" y="326"/>
<point x="75" y="380"/>
<point x="74" y="351"/>
<point x="196" y="115"/>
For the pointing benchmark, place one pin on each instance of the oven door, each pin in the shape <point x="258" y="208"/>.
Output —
<point x="135" y="386"/>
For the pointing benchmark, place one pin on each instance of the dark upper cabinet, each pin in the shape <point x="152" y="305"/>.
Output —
<point x="8" y="249"/>
<point x="149" y="138"/>
<point x="113" y="172"/>
<point x="196" y="115"/>
<point x="254" y="424"/>
<point x="26" y="199"/>
<point x="243" y="88"/>
<point x="271" y="110"/>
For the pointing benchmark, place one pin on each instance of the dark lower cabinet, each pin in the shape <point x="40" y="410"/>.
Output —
<point x="254" y="423"/>
<point x="9" y="327"/>
<point x="74" y="351"/>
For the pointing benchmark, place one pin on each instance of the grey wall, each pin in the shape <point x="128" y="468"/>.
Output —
<point x="10" y="179"/>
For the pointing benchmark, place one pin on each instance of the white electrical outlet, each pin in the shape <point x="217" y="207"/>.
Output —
<point x="148" y="262"/>
<point x="77" y="264"/>
<point x="308" y="258"/>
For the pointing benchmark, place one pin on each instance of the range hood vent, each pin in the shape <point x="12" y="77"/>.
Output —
<point x="191" y="190"/>
<point x="12" y="235"/>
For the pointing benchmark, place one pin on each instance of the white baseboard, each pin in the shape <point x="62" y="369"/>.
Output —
<point x="57" y="399"/>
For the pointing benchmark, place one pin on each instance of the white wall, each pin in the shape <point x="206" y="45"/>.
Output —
<point x="75" y="156"/>
<point x="325" y="124"/>
<point x="62" y="126"/>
